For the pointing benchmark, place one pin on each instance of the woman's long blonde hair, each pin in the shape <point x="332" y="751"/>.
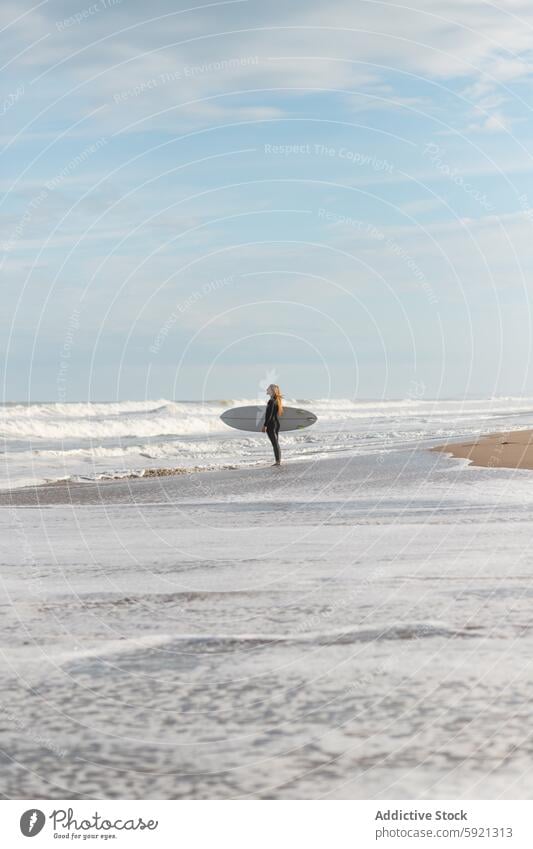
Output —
<point x="278" y="397"/>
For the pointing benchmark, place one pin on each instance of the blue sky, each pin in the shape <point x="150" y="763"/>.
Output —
<point x="198" y="200"/>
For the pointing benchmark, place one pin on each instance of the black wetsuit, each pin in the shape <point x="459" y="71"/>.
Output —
<point x="272" y="426"/>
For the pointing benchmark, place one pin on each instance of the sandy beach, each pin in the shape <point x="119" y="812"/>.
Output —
<point x="354" y="624"/>
<point x="266" y="423"/>
<point x="510" y="450"/>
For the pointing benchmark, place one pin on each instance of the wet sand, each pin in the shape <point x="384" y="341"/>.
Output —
<point x="348" y="627"/>
<point x="156" y="485"/>
<point x="509" y="450"/>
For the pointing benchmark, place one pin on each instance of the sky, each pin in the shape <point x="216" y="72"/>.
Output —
<point x="198" y="199"/>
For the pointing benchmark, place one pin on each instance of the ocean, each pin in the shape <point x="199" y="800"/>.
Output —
<point x="354" y="624"/>
<point x="96" y="441"/>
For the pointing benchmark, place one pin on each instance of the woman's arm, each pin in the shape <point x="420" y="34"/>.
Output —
<point x="268" y="414"/>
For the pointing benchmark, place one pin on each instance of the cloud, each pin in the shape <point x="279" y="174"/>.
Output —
<point x="105" y="49"/>
<point x="157" y="74"/>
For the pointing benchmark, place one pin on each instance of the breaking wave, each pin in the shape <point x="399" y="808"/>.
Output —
<point x="89" y="441"/>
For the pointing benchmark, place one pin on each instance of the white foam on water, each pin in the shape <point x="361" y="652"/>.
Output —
<point x="260" y="631"/>
<point x="94" y="441"/>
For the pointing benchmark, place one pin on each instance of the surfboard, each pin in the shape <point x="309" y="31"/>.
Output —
<point x="252" y="418"/>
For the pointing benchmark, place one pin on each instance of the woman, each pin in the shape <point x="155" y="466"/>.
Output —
<point x="271" y="424"/>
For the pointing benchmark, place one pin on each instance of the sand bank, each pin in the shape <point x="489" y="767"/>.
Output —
<point x="509" y="450"/>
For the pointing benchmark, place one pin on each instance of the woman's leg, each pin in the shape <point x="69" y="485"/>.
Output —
<point x="273" y="436"/>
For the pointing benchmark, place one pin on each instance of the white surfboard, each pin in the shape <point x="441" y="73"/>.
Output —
<point x="252" y="418"/>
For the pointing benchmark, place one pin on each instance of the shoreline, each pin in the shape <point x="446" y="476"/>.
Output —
<point x="512" y="449"/>
<point x="68" y="483"/>
<point x="159" y="485"/>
